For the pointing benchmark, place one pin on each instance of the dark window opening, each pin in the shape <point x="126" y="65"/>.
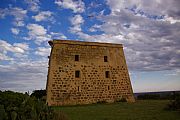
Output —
<point x="107" y="74"/>
<point x="78" y="88"/>
<point x="77" y="74"/>
<point x="108" y="88"/>
<point x="105" y="59"/>
<point x="76" y="57"/>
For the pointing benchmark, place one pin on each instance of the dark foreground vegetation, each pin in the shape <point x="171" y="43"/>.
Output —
<point x="19" y="106"/>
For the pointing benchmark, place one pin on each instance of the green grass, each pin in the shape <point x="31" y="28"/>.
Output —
<point x="140" y="110"/>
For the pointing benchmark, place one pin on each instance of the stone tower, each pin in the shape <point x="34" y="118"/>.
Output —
<point x="87" y="72"/>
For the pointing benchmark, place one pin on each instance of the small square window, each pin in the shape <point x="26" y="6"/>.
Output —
<point x="107" y="74"/>
<point x="76" y="57"/>
<point x="105" y="59"/>
<point x="77" y="73"/>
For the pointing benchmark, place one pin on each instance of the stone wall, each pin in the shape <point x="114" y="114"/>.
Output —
<point x="87" y="72"/>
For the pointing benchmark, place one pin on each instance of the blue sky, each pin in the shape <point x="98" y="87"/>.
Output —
<point x="149" y="31"/>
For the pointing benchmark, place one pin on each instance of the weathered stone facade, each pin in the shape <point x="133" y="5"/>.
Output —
<point x="87" y="72"/>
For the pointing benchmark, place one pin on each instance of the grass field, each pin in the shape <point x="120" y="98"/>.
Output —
<point x="140" y="110"/>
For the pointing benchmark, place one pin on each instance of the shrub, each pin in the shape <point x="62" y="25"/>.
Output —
<point x="11" y="99"/>
<point x="174" y="104"/>
<point x="39" y="94"/>
<point x="18" y="106"/>
<point x="3" y="115"/>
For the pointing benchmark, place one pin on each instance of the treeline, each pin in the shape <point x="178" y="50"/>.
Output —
<point x="174" y="97"/>
<point x="158" y="96"/>
<point x="19" y="106"/>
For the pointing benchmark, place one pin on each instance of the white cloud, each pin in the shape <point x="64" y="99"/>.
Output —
<point x="36" y="29"/>
<point x="5" y="57"/>
<point x="21" y="73"/>
<point x="17" y="49"/>
<point x="116" y="5"/>
<point x="42" y="51"/>
<point x="59" y="35"/>
<point x="23" y="46"/>
<point x="76" y="21"/>
<point x="24" y="75"/>
<point x="76" y="6"/>
<point x="3" y="12"/>
<point x="33" y="5"/>
<point x="171" y="20"/>
<point x="95" y="28"/>
<point x="75" y="29"/>
<point x="37" y="33"/>
<point x="152" y="7"/>
<point x="15" y="31"/>
<point x="18" y="23"/>
<point x="19" y="15"/>
<point x="92" y="29"/>
<point x="43" y="16"/>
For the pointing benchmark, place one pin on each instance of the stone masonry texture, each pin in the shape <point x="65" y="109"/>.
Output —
<point x="87" y="72"/>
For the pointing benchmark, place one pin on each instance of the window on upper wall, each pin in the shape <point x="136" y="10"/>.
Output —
<point x="108" y="88"/>
<point x="107" y="74"/>
<point x="76" y="57"/>
<point x="105" y="59"/>
<point x="77" y="74"/>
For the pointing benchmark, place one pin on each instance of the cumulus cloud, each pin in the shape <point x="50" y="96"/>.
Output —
<point x="77" y="6"/>
<point x="15" y="31"/>
<point x="18" y="23"/>
<point x="17" y="49"/>
<point x="23" y="46"/>
<point x="167" y="8"/>
<point x="57" y="35"/>
<point x="24" y="76"/>
<point x="37" y="33"/>
<point x="36" y="29"/>
<point x="150" y="44"/>
<point x="43" y="16"/>
<point x="42" y="51"/>
<point x="3" y="56"/>
<point x="21" y="73"/>
<point x="171" y="20"/>
<point x="33" y="5"/>
<point x="18" y="13"/>
<point x="76" y="21"/>
<point x="95" y="28"/>
<point x="40" y="34"/>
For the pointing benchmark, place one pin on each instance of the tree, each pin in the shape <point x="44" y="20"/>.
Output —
<point x="39" y="94"/>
